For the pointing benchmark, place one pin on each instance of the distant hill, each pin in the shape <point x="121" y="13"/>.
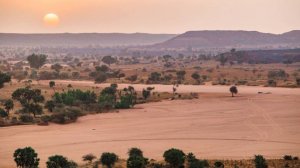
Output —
<point x="237" y="39"/>
<point x="82" y="39"/>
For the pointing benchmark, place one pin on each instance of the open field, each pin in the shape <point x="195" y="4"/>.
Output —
<point x="215" y="126"/>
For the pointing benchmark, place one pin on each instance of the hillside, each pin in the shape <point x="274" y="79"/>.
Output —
<point x="82" y="39"/>
<point x="237" y="39"/>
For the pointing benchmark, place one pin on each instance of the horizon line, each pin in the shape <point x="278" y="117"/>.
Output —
<point x="145" y="32"/>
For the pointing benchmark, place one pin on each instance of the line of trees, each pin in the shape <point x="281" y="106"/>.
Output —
<point x="174" y="158"/>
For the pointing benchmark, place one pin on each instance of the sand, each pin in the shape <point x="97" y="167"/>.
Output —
<point x="215" y="126"/>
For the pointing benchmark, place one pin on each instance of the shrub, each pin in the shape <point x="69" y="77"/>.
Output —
<point x="88" y="157"/>
<point x="193" y="162"/>
<point x="295" y="158"/>
<point x="58" y="161"/>
<point x="26" y="118"/>
<point x="287" y="157"/>
<point x="174" y="157"/>
<point x="219" y="164"/>
<point x="26" y="158"/>
<point x="68" y="116"/>
<point x="260" y="162"/>
<point x="136" y="161"/>
<point x="108" y="159"/>
<point x="135" y="152"/>
<point x="125" y="102"/>
<point x="233" y="90"/>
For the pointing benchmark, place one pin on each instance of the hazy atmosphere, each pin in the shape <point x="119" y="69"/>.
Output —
<point x="149" y="83"/>
<point x="149" y="16"/>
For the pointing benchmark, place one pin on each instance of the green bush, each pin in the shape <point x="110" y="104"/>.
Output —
<point x="108" y="159"/>
<point x="68" y="116"/>
<point x="26" y="118"/>
<point x="26" y="158"/>
<point x="174" y="157"/>
<point x="136" y="161"/>
<point x="260" y="162"/>
<point x="59" y="161"/>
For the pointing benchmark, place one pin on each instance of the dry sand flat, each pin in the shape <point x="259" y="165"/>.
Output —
<point x="213" y="126"/>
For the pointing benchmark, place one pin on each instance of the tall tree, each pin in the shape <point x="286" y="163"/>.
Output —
<point x="109" y="60"/>
<point x="29" y="99"/>
<point x="37" y="60"/>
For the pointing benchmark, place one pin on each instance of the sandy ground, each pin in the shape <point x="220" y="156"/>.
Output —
<point x="214" y="126"/>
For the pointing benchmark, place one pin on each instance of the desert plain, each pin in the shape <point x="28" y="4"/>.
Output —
<point x="213" y="126"/>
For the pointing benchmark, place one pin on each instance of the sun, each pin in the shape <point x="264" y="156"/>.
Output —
<point x="51" y="19"/>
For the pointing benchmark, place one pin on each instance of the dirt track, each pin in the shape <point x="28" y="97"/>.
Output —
<point x="213" y="126"/>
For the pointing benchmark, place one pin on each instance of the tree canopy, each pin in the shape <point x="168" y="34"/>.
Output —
<point x="37" y="60"/>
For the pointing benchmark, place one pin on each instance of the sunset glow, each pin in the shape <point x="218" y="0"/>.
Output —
<point x="51" y="19"/>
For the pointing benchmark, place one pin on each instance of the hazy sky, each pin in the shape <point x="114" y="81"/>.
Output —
<point x="151" y="16"/>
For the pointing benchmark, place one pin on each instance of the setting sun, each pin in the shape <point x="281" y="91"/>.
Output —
<point x="51" y="19"/>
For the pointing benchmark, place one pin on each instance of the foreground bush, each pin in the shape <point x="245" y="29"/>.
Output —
<point x="26" y="158"/>
<point x="58" y="161"/>
<point x="260" y="162"/>
<point x="136" y="159"/>
<point x="193" y="162"/>
<point x="108" y="159"/>
<point x="174" y="157"/>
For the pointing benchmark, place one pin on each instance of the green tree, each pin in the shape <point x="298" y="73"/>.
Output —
<point x="136" y="162"/>
<point x="233" y="90"/>
<point x="109" y="60"/>
<point x="135" y="152"/>
<point x="26" y="158"/>
<point x="174" y="157"/>
<point x="108" y="159"/>
<point x="8" y="105"/>
<point x="37" y="60"/>
<point x="4" y="78"/>
<point x="260" y="162"/>
<point x="29" y="99"/>
<point x="59" y="161"/>
<point x="136" y="158"/>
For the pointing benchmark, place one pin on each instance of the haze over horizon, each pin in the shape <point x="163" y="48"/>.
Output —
<point x="156" y="16"/>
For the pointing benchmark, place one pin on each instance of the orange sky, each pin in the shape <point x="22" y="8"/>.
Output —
<point x="151" y="16"/>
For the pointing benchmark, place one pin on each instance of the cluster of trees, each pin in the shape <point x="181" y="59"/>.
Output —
<point x="156" y="77"/>
<point x="174" y="158"/>
<point x="103" y="72"/>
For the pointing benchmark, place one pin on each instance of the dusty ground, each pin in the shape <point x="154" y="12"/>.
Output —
<point x="214" y="126"/>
